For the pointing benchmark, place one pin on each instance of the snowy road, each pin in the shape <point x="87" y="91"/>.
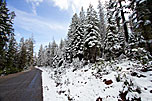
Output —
<point x="24" y="86"/>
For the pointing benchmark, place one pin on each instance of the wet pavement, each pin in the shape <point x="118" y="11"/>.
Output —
<point x="24" y="86"/>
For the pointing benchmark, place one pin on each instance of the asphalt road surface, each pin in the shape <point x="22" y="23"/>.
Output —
<point x="24" y="86"/>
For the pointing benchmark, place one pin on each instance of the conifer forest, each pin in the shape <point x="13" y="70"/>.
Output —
<point x="106" y="55"/>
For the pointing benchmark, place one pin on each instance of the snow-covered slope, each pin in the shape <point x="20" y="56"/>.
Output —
<point x="109" y="81"/>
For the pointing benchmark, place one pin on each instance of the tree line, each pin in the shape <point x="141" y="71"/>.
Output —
<point x="109" y="33"/>
<point x="116" y="29"/>
<point x="14" y="57"/>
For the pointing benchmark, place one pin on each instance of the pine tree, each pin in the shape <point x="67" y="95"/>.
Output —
<point x="118" y="13"/>
<point x="40" y="56"/>
<point x="44" y="55"/>
<point x="30" y="50"/>
<point x="102" y="24"/>
<point x="72" y="37"/>
<point x="22" y="55"/>
<point x="61" y="50"/>
<point x="61" y="44"/>
<point x="3" y="60"/>
<point x="92" y="36"/>
<point x="6" y="21"/>
<point x="75" y="36"/>
<point x="54" y="49"/>
<point x="141" y="20"/>
<point x="114" y="40"/>
<point x="12" y="65"/>
<point x="77" y="42"/>
<point x="122" y="17"/>
<point x="81" y="30"/>
<point x="61" y="53"/>
<point x="48" y="58"/>
<point x="82" y="17"/>
<point x="6" y="29"/>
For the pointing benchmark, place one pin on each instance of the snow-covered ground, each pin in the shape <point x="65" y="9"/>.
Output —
<point x="106" y="80"/>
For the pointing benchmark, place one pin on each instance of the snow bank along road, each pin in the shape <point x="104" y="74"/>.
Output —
<point x="24" y="86"/>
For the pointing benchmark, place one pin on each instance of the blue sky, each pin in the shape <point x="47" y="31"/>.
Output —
<point x="45" y="19"/>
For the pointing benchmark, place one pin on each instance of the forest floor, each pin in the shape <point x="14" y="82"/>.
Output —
<point x="23" y="86"/>
<point x="116" y="81"/>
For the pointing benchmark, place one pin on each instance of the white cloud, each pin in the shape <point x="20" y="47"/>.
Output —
<point x="34" y="3"/>
<point x="63" y="4"/>
<point x="75" y="5"/>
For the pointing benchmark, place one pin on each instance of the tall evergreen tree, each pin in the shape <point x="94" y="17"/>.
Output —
<point x="6" y="21"/>
<point x="54" y="54"/>
<point x="80" y="36"/>
<point x="6" y="29"/>
<point x="71" y="37"/>
<point x="114" y="41"/>
<point x="22" y="55"/>
<point x="118" y="13"/>
<point x="54" y="49"/>
<point x="44" y="55"/>
<point x="30" y="50"/>
<point x="12" y="64"/>
<point x="48" y="58"/>
<point x="82" y="17"/>
<point x="102" y="24"/>
<point x="40" y="56"/>
<point x="61" y="50"/>
<point x="76" y="35"/>
<point x="61" y="45"/>
<point x="142" y="22"/>
<point x="122" y="17"/>
<point x="92" y="36"/>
